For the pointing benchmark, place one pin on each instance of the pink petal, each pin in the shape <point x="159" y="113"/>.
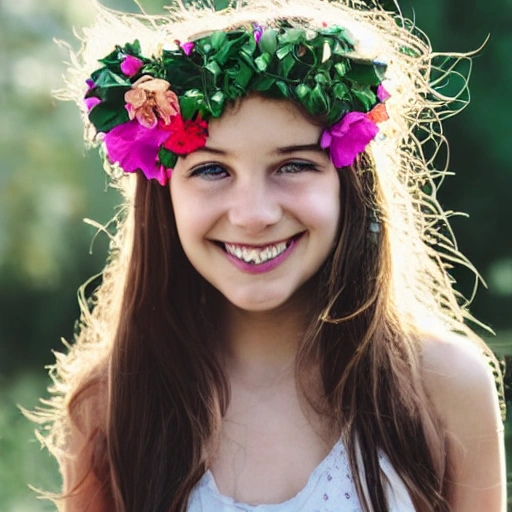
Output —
<point x="90" y="103"/>
<point x="187" y="47"/>
<point x="382" y="94"/>
<point x="164" y="176"/>
<point x="131" y="65"/>
<point x="136" y="147"/>
<point x="326" y="139"/>
<point x="258" y="31"/>
<point x="350" y="137"/>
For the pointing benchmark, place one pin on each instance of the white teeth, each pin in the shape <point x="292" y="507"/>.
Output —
<point x="254" y="255"/>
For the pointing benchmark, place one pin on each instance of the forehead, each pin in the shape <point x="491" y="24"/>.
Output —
<point x="257" y="122"/>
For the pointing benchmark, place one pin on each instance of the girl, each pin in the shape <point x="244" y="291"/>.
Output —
<point x="276" y="329"/>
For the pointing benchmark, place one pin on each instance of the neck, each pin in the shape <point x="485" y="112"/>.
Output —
<point x="264" y="343"/>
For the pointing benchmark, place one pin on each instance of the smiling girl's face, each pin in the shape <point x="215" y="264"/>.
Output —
<point x="257" y="209"/>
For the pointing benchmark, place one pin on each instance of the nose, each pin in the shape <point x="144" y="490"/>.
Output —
<point x="254" y="205"/>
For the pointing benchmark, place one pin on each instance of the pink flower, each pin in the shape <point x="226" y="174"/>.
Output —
<point x="134" y="147"/>
<point x="131" y="65"/>
<point x="91" y="102"/>
<point x="348" y="138"/>
<point x="164" y="176"/>
<point x="258" y="31"/>
<point x="150" y="99"/>
<point x="187" y="47"/>
<point x="382" y="94"/>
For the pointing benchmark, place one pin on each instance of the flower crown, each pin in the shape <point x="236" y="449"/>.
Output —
<point x="152" y="110"/>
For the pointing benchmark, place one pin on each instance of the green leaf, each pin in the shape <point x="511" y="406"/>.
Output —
<point x="167" y="158"/>
<point x="105" y="118"/>
<point x="191" y="103"/>
<point x="320" y="78"/>
<point x="106" y="78"/>
<point x="341" y="68"/>
<point x="213" y="68"/>
<point x="302" y="91"/>
<point x="263" y="83"/>
<point x="293" y="36"/>
<point x="268" y="41"/>
<point x="363" y="74"/>
<point x="218" y="39"/>
<point x="341" y="91"/>
<point x="283" y="88"/>
<point x="318" y="100"/>
<point x="366" y="96"/>
<point x="244" y="75"/>
<point x="287" y="65"/>
<point x="284" y="51"/>
<point x="262" y="61"/>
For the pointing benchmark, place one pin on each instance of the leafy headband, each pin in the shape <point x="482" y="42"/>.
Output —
<point x="152" y="110"/>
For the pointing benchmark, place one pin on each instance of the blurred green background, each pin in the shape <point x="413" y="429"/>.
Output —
<point x="49" y="184"/>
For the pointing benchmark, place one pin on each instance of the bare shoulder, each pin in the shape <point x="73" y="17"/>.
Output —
<point x="459" y="382"/>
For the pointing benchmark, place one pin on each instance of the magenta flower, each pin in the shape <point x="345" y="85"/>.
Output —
<point x="164" y="175"/>
<point x="258" y="31"/>
<point x="187" y="47"/>
<point x="382" y="94"/>
<point x="91" y="102"/>
<point x="131" y="65"/>
<point x="348" y="138"/>
<point x="136" y="147"/>
<point x="90" y="84"/>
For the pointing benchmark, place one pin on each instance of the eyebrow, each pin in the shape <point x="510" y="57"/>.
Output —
<point x="280" y="151"/>
<point x="300" y="147"/>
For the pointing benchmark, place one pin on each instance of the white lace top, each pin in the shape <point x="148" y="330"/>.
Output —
<point x="330" y="488"/>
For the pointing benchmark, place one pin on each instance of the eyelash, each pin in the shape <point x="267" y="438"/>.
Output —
<point x="216" y="171"/>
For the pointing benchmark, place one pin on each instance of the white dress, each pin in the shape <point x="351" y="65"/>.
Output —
<point x="330" y="488"/>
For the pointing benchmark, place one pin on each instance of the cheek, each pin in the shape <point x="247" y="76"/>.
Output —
<point x="320" y="207"/>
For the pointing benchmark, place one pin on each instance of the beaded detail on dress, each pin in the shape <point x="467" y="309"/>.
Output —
<point x="330" y="488"/>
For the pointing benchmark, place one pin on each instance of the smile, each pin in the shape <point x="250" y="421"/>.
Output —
<point x="253" y="255"/>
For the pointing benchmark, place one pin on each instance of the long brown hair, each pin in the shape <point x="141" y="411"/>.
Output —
<point x="150" y="344"/>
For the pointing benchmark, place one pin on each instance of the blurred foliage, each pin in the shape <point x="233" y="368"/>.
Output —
<point x="48" y="184"/>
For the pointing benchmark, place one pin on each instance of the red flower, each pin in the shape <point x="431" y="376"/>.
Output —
<point x="186" y="136"/>
<point x="378" y="114"/>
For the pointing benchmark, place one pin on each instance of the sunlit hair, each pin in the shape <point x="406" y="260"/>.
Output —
<point x="143" y="383"/>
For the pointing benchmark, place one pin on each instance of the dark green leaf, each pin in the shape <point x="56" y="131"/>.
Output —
<point x="167" y="158"/>
<point x="283" y="88"/>
<point x="367" y="97"/>
<point x="104" y="118"/>
<point x="264" y="83"/>
<point x="341" y="91"/>
<point x="363" y="74"/>
<point x="244" y="75"/>
<point x="318" y="100"/>
<point x="287" y="65"/>
<point x="106" y="78"/>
